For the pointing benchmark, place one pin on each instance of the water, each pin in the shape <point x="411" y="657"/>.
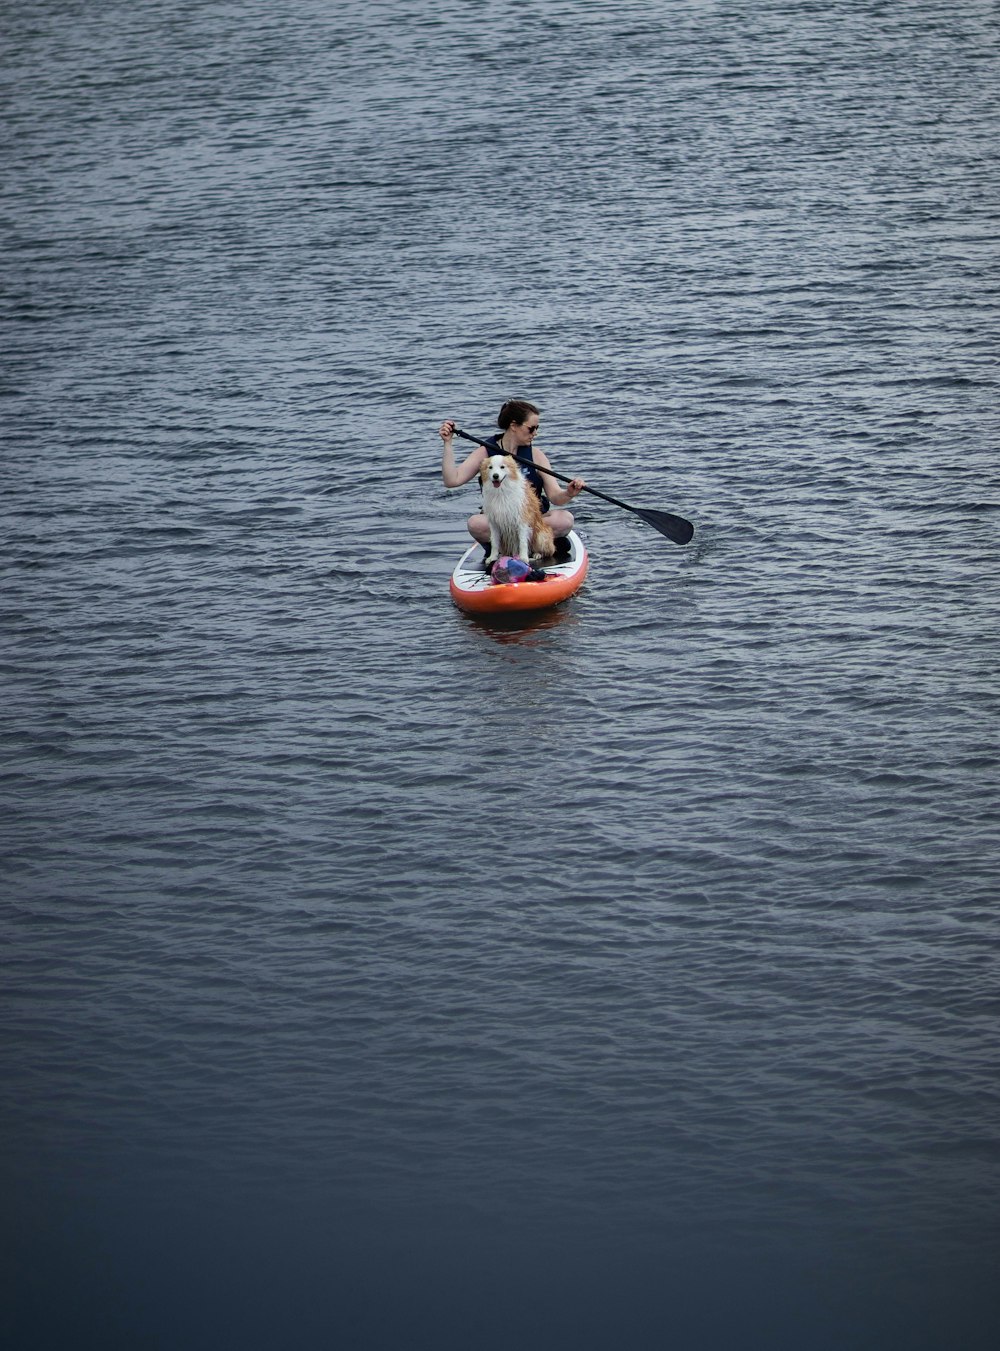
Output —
<point x="375" y="977"/>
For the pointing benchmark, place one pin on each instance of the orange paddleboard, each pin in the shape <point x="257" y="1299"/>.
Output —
<point x="473" y="590"/>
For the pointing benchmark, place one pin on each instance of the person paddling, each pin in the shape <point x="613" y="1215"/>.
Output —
<point x="518" y="421"/>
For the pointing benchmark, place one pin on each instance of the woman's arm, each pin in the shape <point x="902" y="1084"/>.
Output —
<point x="454" y="475"/>
<point x="557" y="495"/>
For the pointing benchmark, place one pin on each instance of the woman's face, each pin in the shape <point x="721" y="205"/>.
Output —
<point x="524" y="432"/>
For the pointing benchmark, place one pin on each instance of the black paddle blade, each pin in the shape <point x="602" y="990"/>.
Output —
<point x="674" y="527"/>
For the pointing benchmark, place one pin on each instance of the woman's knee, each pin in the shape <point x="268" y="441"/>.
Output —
<point x="479" y="528"/>
<point x="562" y="522"/>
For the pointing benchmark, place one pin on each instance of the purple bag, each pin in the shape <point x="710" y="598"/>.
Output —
<point x="508" y="569"/>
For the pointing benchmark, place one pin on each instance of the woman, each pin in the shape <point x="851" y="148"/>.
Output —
<point x="518" y="422"/>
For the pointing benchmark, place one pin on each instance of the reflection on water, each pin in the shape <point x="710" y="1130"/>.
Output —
<point x="524" y="625"/>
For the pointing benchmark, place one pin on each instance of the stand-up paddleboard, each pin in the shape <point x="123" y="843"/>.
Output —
<point x="475" y="592"/>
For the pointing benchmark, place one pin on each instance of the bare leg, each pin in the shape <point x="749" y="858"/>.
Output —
<point x="561" y="521"/>
<point x="479" y="529"/>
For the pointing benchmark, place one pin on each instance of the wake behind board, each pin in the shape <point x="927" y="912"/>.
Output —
<point x="473" y="590"/>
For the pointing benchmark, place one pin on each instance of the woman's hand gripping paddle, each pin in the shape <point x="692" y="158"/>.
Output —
<point x="674" y="527"/>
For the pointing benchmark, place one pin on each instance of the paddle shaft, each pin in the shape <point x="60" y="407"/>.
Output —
<point x="565" y="478"/>
<point x="675" y="528"/>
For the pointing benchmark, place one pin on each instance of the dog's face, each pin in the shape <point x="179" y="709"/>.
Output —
<point x="496" y="468"/>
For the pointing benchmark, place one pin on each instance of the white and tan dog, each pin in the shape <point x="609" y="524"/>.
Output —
<point x="511" y="506"/>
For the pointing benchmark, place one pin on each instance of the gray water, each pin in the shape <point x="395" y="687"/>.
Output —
<point x="376" y="977"/>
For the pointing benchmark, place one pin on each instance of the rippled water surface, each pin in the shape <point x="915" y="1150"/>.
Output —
<point x="377" y="977"/>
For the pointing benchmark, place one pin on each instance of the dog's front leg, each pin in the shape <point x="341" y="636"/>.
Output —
<point x="494" y="552"/>
<point x="523" y="532"/>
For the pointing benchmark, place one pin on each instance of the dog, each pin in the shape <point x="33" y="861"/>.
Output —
<point x="513" y="510"/>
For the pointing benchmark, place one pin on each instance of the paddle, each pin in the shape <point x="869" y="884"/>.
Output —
<point x="674" y="527"/>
